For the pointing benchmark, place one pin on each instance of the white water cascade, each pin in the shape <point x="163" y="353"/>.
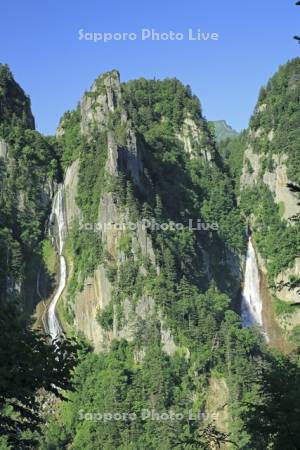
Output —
<point x="57" y="215"/>
<point x="252" y="305"/>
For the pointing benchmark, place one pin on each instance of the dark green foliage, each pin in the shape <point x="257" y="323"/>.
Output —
<point x="232" y="151"/>
<point x="14" y="104"/>
<point x="276" y="242"/>
<point x="281" y="113"/>
<point x="91" y="176"/>
<point x="118" y="401"/>
<point x="28" y="364"/>
<point x="105" y="317"/>
<point x="278" y="407"/>
<point x="148" y="101"/>
<point x="86" y="253"/>
<point x="191" y="284"/>
<point x="24" y="202"/>
<point x="25" y="177"/>
<point x="112" y="384"/>
<point x="69" y="137"/>
<point x="170" y="174"/>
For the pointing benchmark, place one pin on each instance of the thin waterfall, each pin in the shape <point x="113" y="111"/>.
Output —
<point x="252" y="305"/>
<point x="57" y="216"/>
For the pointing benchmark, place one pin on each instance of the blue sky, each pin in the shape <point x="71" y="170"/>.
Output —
<point x="40" y="42"/>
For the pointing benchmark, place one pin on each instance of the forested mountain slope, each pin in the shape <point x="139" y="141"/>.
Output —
<point x="28" y="169"/>
<point x="154" y="243"/>
<point x="271" y="163"/>
<point x="158" y="302"/>
<point x="223" y="131"/>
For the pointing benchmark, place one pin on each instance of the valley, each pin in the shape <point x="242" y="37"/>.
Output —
<point x="197" y="322"/>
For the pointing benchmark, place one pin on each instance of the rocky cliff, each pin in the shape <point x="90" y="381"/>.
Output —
<point x="29" y="170"/>
<point x="97" y="108"/>
<point x="271" y="164"/>
<point x="123" y="194"/>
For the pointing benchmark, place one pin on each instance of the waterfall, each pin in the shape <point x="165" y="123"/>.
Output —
<point x="57" y="216"/>
<point x="252" y="306"/>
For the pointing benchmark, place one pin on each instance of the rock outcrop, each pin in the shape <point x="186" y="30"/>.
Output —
<point x="96" y="110"/>
<point x="71" y="186"/>
<point x="270" y="160"/>
<point x="97" y="105"/>
<point x="3" y="150"/>
<point x="276" y="179"/>
<point x="192" y="137"/>
<point x="95" y="296"/>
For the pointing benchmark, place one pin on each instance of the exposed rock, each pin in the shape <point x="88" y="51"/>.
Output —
<point x="167" y="341"/>
<point x="72" y="210"/>
<point x="277" y="327"/>
<point x="217" y="401"/>
<point x="110" y="221"/>
<point x="130" y="157"/>
<point x="97" y="105"/>
<point x="189" y="134"/>
<point x="60" y="131"/>
<point x="143" y="242"/>
<point x="125" y="158"/>
<point x="277" y="182"/>
<point x="111" y="165"/>
<point x="271" y="135"/>
<point x="191" y="137"/>
<point x="95" y="295"/>
<point x="3" y="150"/>
<point x="124" y="155"/>
<point x="285" y="294"/>
<point x="249" y="178"/>
<point x="272" y="324"/>
<point x="261" y="108"/>
<point x="145" y="309"/>
<point x="258" y="133"/>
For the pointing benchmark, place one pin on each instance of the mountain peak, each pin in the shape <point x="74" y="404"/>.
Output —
<point x="223" y="130"/>
<point x="15" y="106"/>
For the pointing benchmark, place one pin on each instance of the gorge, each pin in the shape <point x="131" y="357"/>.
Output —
<point x="151" y="312"/>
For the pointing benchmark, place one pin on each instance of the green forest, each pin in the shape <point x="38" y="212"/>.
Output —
<point x="176" y="367"/>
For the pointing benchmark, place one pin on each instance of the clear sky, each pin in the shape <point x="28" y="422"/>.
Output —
<point x="39" y="39"/>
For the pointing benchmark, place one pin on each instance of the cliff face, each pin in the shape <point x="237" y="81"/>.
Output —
<point x="271" y="163"/>
<point x="128" y="176"/>
<point x="96" y="110"/>
<point x="275" y="176"/>
<point x="29" y="168"/>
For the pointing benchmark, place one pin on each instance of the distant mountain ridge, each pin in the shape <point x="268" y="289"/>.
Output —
<point x="223" y="130"/>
